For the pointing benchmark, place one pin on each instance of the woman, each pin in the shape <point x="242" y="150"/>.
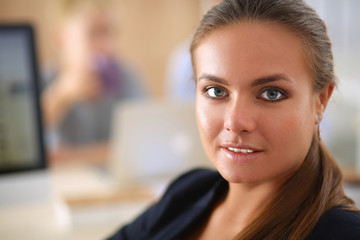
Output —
<point x="264" y="75"/>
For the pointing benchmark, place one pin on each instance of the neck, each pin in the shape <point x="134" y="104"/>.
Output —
<point x="248" y="200"/>
<point x="244" y="201"/>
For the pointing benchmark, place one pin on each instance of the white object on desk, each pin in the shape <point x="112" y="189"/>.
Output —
<point x="24" y="187"/>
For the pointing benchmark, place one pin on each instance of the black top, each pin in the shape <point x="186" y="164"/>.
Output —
<point x="192" y="196"/>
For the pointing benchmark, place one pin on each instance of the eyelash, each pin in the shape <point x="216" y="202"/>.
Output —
<point x="284" y="94"/>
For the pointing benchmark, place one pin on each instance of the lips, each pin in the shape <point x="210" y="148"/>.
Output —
<point x="241" y="153"/>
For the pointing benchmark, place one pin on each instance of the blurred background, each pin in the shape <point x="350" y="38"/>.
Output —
<point x="145" y="32"/>
<point x="110" y="64"/>
<point x="341" y="124"/>
<point x="149" y="38"/>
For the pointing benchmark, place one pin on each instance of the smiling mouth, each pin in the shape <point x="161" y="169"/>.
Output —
<point x="240" y="150"/>
<point x="241" y="153"/>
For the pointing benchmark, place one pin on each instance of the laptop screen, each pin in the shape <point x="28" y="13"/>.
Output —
<point x="21" y="143"/>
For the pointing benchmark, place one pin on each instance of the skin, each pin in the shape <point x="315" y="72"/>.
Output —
<point x="255" y="92"/>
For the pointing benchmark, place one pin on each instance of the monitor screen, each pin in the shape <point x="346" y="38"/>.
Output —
<point x="21" y="142"/>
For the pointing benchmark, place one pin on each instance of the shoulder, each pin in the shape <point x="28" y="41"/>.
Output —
<point x="186" y="197"/>
<point x="194" y="188"/>
<point x="337" y="223"/>
<point x="194" y="181"/>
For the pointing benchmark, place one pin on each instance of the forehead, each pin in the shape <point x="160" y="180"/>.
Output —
<point x="252" y="48"/>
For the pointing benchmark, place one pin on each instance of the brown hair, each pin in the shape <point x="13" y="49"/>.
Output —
<point x="293" y="213"/>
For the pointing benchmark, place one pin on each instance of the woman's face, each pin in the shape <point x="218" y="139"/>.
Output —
<point x="256" y="107"/>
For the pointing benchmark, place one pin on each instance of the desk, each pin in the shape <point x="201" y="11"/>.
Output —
<point x="39" y="221"/>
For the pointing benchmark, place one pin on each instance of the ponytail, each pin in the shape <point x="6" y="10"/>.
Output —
<point x="312" y="190"/>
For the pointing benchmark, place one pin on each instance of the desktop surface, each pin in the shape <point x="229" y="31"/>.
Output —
<point x="40" y="220"/>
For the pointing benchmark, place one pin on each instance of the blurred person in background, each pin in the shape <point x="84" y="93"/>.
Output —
<point x="89" y="80"/>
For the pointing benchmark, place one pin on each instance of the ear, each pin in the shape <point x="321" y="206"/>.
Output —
<point x="323" y="99"/>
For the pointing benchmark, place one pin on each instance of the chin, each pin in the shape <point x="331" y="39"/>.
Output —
<point x="233" y="176"/>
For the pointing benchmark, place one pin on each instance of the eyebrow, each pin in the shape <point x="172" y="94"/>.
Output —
<point x="272" y="78"/>
<point x="256" y="82"/>
<point x="213" y="78"/>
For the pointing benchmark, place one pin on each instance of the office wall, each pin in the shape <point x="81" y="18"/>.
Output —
<point x="147" y="31"/>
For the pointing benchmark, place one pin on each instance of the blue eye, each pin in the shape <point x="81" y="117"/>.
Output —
<point x="215" y="92"/>
<point x="272" y="95"/>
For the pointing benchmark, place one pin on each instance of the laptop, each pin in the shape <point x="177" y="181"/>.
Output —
<point x="154" y="140"/>
<point x="23" y="172"/>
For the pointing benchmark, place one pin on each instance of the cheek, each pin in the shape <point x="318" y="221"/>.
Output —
<point x="210" y="122"/>
<point x="291" y="131"/>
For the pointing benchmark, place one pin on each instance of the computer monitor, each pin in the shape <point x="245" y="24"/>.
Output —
<point x="23" y="172"/>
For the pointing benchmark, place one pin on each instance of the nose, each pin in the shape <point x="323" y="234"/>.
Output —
<point x="240" y="117"/>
